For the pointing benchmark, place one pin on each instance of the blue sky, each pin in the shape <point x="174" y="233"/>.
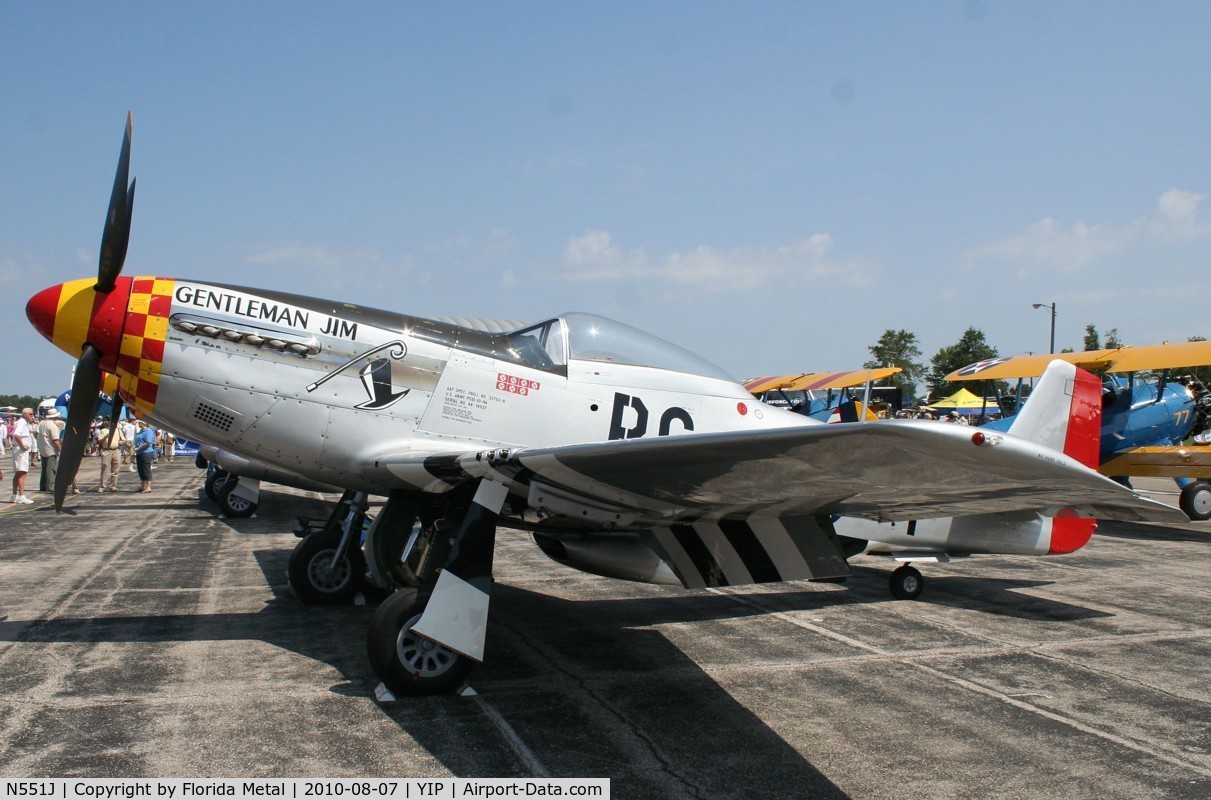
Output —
<point x="771" y="185"/>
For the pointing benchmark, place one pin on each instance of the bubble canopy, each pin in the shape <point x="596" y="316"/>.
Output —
<point x="594" y="338"/>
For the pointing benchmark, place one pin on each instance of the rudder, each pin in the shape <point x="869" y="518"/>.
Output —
<point x="1064" y="412"/>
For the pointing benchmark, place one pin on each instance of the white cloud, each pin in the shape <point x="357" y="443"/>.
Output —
<point x="593" y="256"/>
<point x="593" y="248"/>
<point x="1048" y="244"/>
<point x="1177" y="216"/>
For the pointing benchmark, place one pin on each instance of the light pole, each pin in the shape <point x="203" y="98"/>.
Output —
<point x="1052" y="307"/>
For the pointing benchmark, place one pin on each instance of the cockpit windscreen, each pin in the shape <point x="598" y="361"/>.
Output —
<point x="594" y="338"/>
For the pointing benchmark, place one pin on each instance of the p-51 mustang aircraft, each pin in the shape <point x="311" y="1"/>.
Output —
<point x="623" y="454"/>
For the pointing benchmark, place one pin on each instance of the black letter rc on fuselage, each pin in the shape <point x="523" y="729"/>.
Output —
<point x="624" y="401"/>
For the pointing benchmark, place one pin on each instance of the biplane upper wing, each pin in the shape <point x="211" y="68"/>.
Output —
<point x="818" y="380"/>
<point x="1029" y="366"/>
<point x="1161" y="356"/>
<point x="1123" y="359"/>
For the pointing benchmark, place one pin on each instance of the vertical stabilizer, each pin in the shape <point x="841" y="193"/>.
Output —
<point x="1064" y="412"/>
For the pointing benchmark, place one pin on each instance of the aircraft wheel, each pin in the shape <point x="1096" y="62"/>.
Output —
<point x="312" y="576"/>
<point x="232" y="505"/>
<point x="1195" y="500"/>
<point x="906" y="583"/>
<point x="215" y="481"/>
<point x="405" y="662"/>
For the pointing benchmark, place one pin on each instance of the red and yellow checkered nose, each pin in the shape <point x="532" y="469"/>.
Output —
<point x="128" y="325"/>
<point x="73" y="313"/>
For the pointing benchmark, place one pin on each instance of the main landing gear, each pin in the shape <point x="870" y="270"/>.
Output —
<point x="237" y="497"/>
<point x="327" y="566"/>
<point x="406" y="661"/>
<point x="427" y="636"/>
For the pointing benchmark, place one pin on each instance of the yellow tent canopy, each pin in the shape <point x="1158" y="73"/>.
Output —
<point x="964" y="400"/>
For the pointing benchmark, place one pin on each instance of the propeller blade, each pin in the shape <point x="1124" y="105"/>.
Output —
<point x="116" y="416"/>
<point x="116" y="236"/>
<point x="84" y="389"/>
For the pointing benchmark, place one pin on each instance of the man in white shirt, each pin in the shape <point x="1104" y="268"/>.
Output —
<point x="23" y="443"/>
<point x="111" y="459"/>
<point x="128" y="441"/>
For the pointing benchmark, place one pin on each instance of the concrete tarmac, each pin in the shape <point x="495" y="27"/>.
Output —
<point x="143" y="636"/>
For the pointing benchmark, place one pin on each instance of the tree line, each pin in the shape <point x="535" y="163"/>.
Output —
<point x="20" y="400"/>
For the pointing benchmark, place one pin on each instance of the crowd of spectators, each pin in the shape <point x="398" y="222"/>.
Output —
<point x="29" y="440"/>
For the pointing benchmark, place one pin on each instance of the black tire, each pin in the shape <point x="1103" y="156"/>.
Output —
<point x="1195" y="500"/>
<point x="215" y="481"/>
<point x="407" y="663"/>
<point x="232" y="505"/>
<point x="906" y="583"/>
<point x="314" y="581"/>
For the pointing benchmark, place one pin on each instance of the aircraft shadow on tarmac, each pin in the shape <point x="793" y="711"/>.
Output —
<point x="587" y="684"/>
<point x="1145" y="532"/>
<point x="625" y="718"/>
<point x="994" y="596"/>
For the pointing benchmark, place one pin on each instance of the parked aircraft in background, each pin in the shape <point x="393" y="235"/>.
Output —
<point x="622" y="454"/>
<point x="822" y="395"/>
<point x="940" y="539"/>
<point x="1144" y="420"/>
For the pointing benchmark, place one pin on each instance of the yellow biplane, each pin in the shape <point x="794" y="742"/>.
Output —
<point x="801" y="392"/>
<point x="1147" y="421"/>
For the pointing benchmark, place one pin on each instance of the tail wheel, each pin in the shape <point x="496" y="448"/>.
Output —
<point x="906" y="583"/>
<point x="313" y="577"/>
<point x="1195" y="500"/>
<point x="406" y="662"/>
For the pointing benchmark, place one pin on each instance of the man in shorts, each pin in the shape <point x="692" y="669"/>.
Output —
<point x="23" y="444"/>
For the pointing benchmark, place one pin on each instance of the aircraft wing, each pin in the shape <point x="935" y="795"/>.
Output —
<point x="818" y="380"/>
<point x="1123" y="359"/>
<point x="1030" y="366"/>
<point x="1161" y="462"/>
<point x="1162" y="356"/>
<point x="894" y="470"/>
